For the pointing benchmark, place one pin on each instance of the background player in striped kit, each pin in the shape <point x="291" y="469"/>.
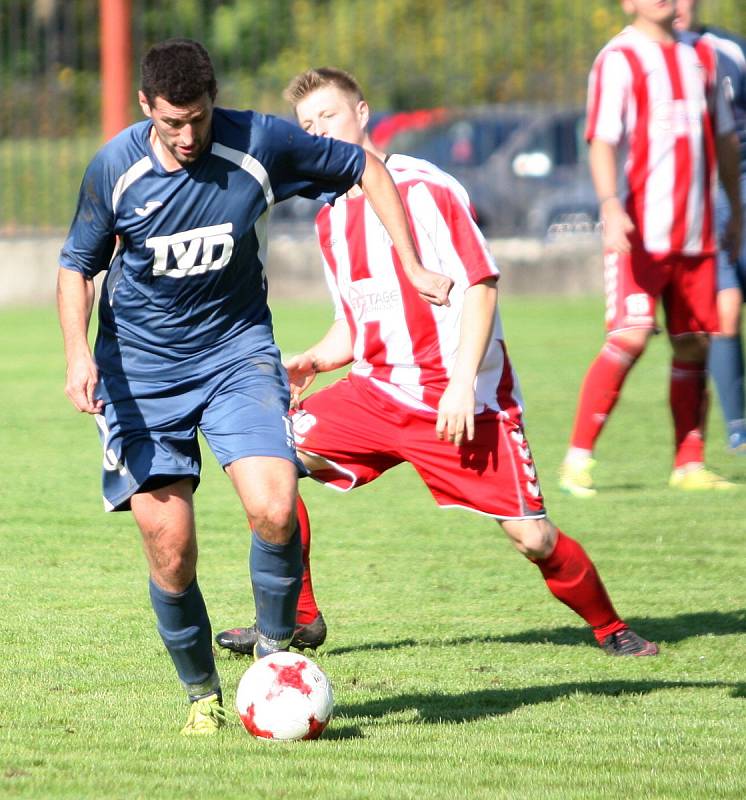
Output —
<point x="658" y="97"/>
<point x="726" y="361"/>
<point x="432" y="387"/>
<point x="185" y="337"/>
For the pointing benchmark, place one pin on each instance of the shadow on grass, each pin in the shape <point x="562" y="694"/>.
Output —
<point x="337" y="733"/>
<point x="623" y="487"/>
<point x="659" y="629"/>
<point x="495" y="702"/>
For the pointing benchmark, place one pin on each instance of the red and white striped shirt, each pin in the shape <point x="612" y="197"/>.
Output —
<point x="406" y="346"/>
<point x="662" y="101"/>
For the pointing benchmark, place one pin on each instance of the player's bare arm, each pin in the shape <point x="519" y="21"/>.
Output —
<point x="456" y="407"/>
<point x="728" y="155"/>
<point x="75" y="296"/>
<point x="616" y="223"/>
<point x="381" y="192"/>
<point x="333" y="351"/>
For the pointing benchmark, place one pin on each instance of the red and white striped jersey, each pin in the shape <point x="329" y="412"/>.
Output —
<point x="663" y="103"/>
<point x="406" y="346"/>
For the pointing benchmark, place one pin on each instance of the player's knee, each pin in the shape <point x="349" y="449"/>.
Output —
<point x="730" y="325"/>
<point x="632" y="342"/>
<point x="274" y="522"/>
<point x="730" y="302"/>
<point x="173" y="570"/>
<point x="728" y="330"/>
<point x="692" y="348"/>
<point x="171" y="552"/>
<point x="533" y="538"/>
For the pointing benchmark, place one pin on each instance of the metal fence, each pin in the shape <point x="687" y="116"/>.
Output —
<point x="407" y="53"/>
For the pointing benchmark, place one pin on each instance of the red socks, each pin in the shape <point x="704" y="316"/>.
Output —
<point x="600" y="391"/>
<point x="568" y="571"/>
<point x="688" y="397"/>
<point x="571" y="577"/>
<point x="307" y="608"/>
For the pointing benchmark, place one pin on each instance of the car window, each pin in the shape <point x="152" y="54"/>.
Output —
<point x="566" y="142"/>
<point x="459" y="143"/>
<point x="560" y="139"/>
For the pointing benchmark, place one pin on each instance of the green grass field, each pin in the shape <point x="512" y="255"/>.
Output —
<point x="456" y="674"/>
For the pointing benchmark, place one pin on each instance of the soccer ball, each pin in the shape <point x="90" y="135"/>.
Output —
<point x="284" y="696"/>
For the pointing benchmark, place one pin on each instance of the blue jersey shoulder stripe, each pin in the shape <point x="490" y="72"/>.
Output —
<point x="134" y="173"/>
<point x="249" y="164"/>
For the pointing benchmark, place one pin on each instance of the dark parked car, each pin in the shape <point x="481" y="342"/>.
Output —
<point x="525" y="168"/>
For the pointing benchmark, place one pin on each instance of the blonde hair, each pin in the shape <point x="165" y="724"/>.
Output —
<point x="313" y="79"/>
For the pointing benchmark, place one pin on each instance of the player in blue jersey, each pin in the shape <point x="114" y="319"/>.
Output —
<point x="726" y="360"/>
<point x="175" y="208"/>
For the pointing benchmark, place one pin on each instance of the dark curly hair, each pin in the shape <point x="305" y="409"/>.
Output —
<point x="179" y="71"/>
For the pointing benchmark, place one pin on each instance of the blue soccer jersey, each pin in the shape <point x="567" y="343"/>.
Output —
<point x="731" y="52"/>
<point x="185" y="289"/>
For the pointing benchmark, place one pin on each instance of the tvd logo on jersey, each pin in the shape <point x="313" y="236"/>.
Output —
<point x="192" y="252"/>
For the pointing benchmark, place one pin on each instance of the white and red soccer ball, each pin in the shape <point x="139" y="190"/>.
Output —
<point x="284" y="696"/>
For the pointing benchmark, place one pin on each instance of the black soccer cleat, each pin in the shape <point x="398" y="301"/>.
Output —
<point x="311" y="636"/>
<point x="242" y="640"/>
<point x="627" y="643"/>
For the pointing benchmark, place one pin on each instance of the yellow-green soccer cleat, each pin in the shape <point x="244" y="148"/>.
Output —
<point x="206" y="715"/>
<point x="696" y="478"/>
<point x="575" y="478"/>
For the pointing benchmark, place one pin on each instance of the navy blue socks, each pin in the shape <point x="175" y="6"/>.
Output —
<point x="726" y="368"/>
<point x="185" y="629"/>
<point x="276" y="571"/>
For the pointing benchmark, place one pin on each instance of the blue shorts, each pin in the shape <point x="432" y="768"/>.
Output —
<point x="149" y="429"/>
<point x="731" y="275"/>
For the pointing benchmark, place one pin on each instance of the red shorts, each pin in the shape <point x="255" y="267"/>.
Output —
<point x="685" y="284"/>
<point x="362" y="433"/>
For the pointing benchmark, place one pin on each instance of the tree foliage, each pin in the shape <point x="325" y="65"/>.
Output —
<point x="407" y="53"/>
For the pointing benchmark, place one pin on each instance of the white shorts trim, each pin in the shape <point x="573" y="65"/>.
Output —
<point x="535" y="515"/>
<point x="332" y="465"/>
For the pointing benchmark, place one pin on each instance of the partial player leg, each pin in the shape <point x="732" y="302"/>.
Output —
<point x="691" y="315"/>
<point x="726" y="365"/>
<point x="350" y="432"/>
<point x="598" y="396"/>
<point x="310" y="627"/>
<point x="165" y="517"/>
<point x="572" y="578"/>
<point x="726" y="361"/>
<point x="688" y="398"/>
<point x="308" y="611"/>
<point x="689" y="402"/>
<point x="267" y="487"/>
